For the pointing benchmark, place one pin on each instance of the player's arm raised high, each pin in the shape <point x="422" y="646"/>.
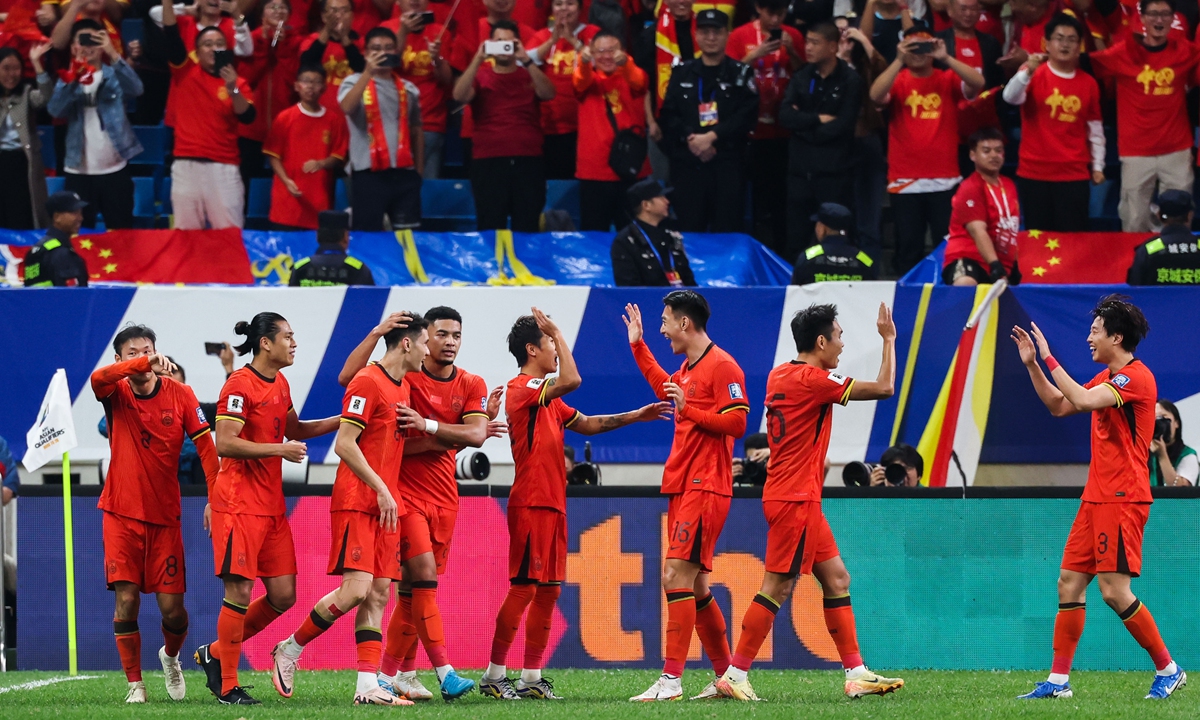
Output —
<point x="1063" y="396"/>
<point x="568" y="378"/>
<point x="885" y="384"/>
<point x="655" y="375"/>
<point x="361" y="355"/>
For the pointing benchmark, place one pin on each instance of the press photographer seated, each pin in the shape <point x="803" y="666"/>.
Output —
<point x="900" y="466"/>
<point x="752" y="469"/>
<point x="1171" y="462"/>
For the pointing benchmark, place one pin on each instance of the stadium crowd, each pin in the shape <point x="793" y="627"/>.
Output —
<point x="791" y="103"/>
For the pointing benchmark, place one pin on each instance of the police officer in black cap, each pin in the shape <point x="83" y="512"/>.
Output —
<point x="834" y="257"/>
<point x="53" y="261"/>
<point x="330" y="264"/>
<point x="708" y="111"/>
<point x="1172" y="257"/>
<point x="646" y="254"/>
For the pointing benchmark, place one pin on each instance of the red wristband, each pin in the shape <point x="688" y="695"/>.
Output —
<point x="1051" y="363"/>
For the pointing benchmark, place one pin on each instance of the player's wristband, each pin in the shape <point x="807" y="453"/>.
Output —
<point x="1051" y="363"/>
<point x="431" y="426"/>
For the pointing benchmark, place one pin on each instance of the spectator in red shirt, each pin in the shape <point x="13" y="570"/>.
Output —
<point x="1154" y="136"/>
<point x="370" y="14"/>
<point x="1062" y="138"/>
<point x="422" y="65"/>
<point x="774" y="50"/>
<point x="969" y="42"/>
<point x="922" y="138"/>
<point x="335" y="47"/>
<point x="982" y="247"/>
<point x="611" y="91"/>
<point x="554" y="48"/>
<point x="206" y="187"/>
<point x="306" y="146"/>
<point x="106" y="12"/>
<point x="210" y="13"/>
<point x="508" y="177"/>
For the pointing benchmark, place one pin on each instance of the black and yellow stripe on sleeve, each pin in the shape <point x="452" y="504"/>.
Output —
<point x="542" y="399"/>
<point x="357" y="422"/>
<point x="1115" y="391"/>
<point x="200" y="433"/>
<point x="235" y="418"/>
<point x="476" y="413"/>
<point x="574" y="417"/>
<point x="739" y="405"/>
<point x="845" y="399"/>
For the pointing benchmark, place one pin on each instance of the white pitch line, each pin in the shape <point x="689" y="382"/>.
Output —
<point x="43" y="683"/>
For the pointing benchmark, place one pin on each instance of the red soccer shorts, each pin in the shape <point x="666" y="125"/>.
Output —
<point x="537" y="545"/>
<point x="427" y="527"/>
<point x="694" y="521"/>
<point x="798" y="536"/>
<point x="1106" y="537"/>
<point x="360" y="543"/>
<point x="252" y="546"/>
<point x="149" y="556"/>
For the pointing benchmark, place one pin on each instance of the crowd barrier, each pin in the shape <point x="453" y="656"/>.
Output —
<point x="938" y="582"/>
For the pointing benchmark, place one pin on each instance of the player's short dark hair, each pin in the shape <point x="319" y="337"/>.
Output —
<point x="1147" y="3"/>
<point x="379" y="32"/>
<point x="133" y="332"/>
<point x="182" y="372"/>
<point x="772" y="5"/>
<point x="442" y="312"/>
<point x="811" y="323"/>
<point x="983" y="134"/>
<point x="904" y="454"/>
<point x="86" y="25"/>
<point x="691" y="305"/>
<point x="826" y="30"/>
<point x="1061" y="19"/>
<point x="262" y="325"/>
<point x="1122" y="317"/>
<point x="310" y="68"/>
<point x="508" y="25"/>
<point x="416" y="324"/>
<point x="525" y="331"/>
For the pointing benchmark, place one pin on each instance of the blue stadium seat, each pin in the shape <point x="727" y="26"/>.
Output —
<point x="164" y="199"/>
<point x="154" y="144"/>
<point x="447" y="200"/>
<point x="49" y="157"/>
<point x="260" y="198"/>
<point x="563" y="195"/>
<point x="54" y="184"/>
<point x="145" y="207"/>
<point x="341" y="200"/>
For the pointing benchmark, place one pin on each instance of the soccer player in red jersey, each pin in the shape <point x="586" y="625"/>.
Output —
<point x="449" y="409"/>
<point x="257" y="428"/>
<point x="1106" y="537"/>
<point x="537" y="504"/>
<point x="800" y="399"/>
<point x="366" y="507"/>
<point x="148" y="415"/>
<point x="709" y="392"/>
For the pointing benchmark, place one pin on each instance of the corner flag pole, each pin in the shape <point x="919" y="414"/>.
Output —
<point x="69" y="548"/>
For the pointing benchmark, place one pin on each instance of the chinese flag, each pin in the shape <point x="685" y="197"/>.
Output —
<point x="1053" y="258"/>
<point x="20" y="29"/>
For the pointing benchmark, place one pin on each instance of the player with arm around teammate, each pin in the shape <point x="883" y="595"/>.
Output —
<point x="800" y="398"/>
<point x="1106" y="537"/>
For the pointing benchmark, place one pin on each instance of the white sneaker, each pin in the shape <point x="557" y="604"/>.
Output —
<point x="137" y="692"/>
<point x="379" y="696"/>
<point x="283" y="674"/>
<point x="861" y="681"/>
<point x="664" y="688"/>
<point x="176" y="687"/>
<point x="407" y="684"/>
<point x="709" y="692"/>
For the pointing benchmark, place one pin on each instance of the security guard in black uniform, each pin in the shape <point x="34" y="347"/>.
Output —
<point x="708" y="112"/>
<point x="834" y="257"/>
<point x="53" y="261"/>
<point x="1172" y="257"/>
<point x="330" y="264"/>
<point x="645" y="253"/>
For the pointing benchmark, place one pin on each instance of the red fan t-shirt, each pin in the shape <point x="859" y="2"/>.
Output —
<point x="1054" y="126"/>
<point x="337" y="68"/>
<point x="508" y="122"/>
<point x="205" y="123"/>
<point x="923" y="130"/>
<point x="995" y="205"/>
<point x="297" y="137"/>
<point x="771" y="74"/>
<point x="560" y="115"/>
<point x="417" y="66"/>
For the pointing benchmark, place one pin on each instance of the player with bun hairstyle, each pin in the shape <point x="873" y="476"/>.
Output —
<point x="257" y="428"/>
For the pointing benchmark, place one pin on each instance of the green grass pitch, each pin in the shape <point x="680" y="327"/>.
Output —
<point x="603" y="694"/>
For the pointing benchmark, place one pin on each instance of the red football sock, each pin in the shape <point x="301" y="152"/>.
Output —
<point x="537" y="625"/>
<point x="1140" y="624"/>
<point x="518" y="598"/>
<point x="315" y="624"/>
<point x="129" y="647"/>
<point x="173" y="637"/>
<point x="428" y="621"/>
<point x="681" y="619"/>
<point x="401" y="635"/>
<point x="369" y="643"/>
<point x="230" y="624"/>
<point x="409" y="663"/>
<point x="259" y="615"/>
<point x="756" y="625"/>
<point x="714" y="635"/>
<point x="1068" y="628"/>
<point x="839" y="620"/>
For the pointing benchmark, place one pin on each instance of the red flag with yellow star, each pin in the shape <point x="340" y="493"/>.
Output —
<point x="1054" y="258"/>
<point x="166" y="256"/>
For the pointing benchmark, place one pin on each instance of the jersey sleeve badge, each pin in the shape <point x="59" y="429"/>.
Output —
<point x="533" y="383"/>
<point x="1121" y="380"/>
<point x="357" y="403"/>
<point x="200" y="415"/>
<point x="839" y="379"/>
<point x="735" y="392"/>
<point x="234" y="404"/>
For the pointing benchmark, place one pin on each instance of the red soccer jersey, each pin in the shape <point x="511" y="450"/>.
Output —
<point x="337" y="69"/>
<point x="1118" y="472"/>
<point x="145" y="434"/>
<point x="967" y="51"/>
<point x="1152" y="116"/>
<point x="271" y="73"/>
<point x="430" y="475"/>
<point x="370" y="404"/>
<point x="800" y="400"/>
<point x="1054" y="126"/>
<point x="771" y="74"/>
<point x="700" y="459"/>
<point x="537" y="444"/>
<point x="995" y="205"/>
<point x="297" y="137"/>
<point x="561" y="114"/>
<point x="253" y="486"/>
<point x="923" y="131"/>
<point x="417" y="67"/>
<point x="205" y="125"/>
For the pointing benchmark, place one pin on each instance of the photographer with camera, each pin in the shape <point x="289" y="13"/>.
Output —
<point x="1171" y="462"/>
<point x="899" y="466"/>
<point x="752" y="469"/>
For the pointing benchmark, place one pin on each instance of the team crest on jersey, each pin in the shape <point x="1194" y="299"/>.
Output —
<point x="200" y="415"/>
<point x="456" y="403"/>
<point x="168" y="418"/>
<point x="356" y="554"/>
<point x="735" y="391"/>
<point x="535" y="382"/>
<point x="235" y="403"/>
<point x="839" y="379"/>
<point x="357" y="403"/>
<point x="1121" y="380"/>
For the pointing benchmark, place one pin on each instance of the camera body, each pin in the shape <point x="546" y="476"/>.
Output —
<point x="586" y="472"/>
<point x="472" y="465"/>
<point x="1162" y="429"/>
<point x="754" y="472"/>
<point x="499" y="47"/>
<point x="858" y="474"/>
<point x="923" y="48"/>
